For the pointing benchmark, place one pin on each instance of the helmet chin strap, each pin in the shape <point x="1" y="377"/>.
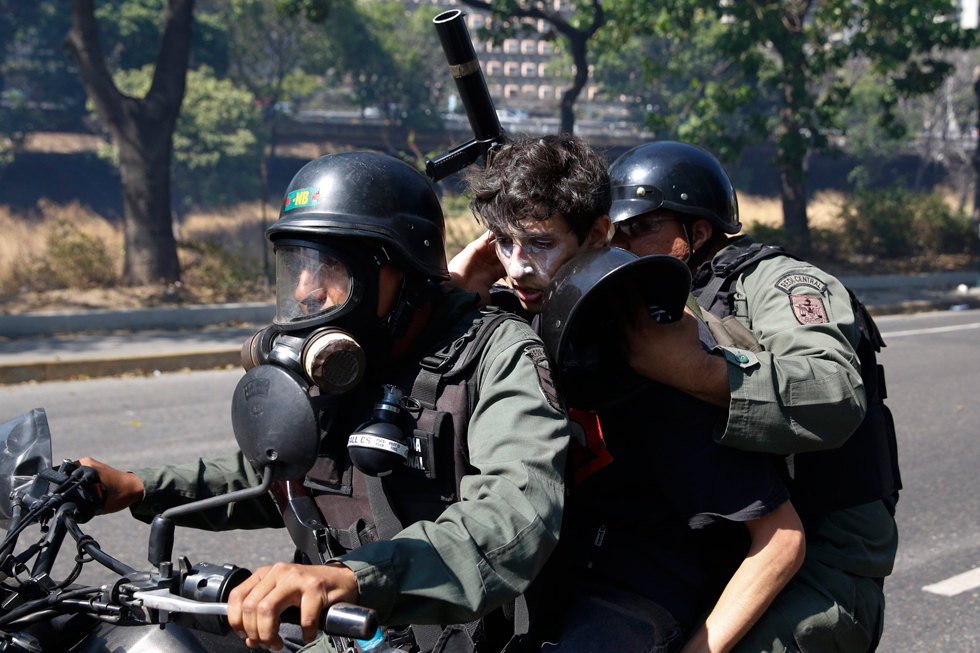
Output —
<point x="696" y="256"/>
<point x="412" y="296"/>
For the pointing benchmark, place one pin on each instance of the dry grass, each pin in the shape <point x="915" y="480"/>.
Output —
<point x="823" y="210"/>
<point x="238" y="229"/>
<point x="26" y="236"/>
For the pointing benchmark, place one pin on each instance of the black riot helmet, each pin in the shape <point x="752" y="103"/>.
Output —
<point x="369" y="195"/>
<point x="676" y="176"/>
<point x="343" y="217"/>
<point x="580" y="320"/>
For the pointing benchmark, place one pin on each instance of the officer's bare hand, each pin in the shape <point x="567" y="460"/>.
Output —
<point x="477" y="267"/>
<point x="123" y="489"/>
<point x="255" y="605"/>
<point x="672" y="354"/>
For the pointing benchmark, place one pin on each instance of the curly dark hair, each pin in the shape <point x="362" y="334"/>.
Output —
<point x="539" y="178"/>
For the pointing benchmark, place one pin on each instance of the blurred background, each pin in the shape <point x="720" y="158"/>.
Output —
<point x="145" y="144"/>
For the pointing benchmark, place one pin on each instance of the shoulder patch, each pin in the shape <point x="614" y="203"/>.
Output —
<point x="546" y="384"/>
<point x="809" y="309"/>
<point x="788" y="282"/>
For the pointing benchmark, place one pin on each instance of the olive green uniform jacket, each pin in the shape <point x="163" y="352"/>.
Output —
<point x="802" y="393"/>
<point x="483" y="550"/>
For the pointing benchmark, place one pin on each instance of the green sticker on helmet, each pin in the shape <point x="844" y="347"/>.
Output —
<point x="301" y="197"/>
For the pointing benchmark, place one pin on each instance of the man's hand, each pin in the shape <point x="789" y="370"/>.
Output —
<point x="672" y="354"/>
<point x="123" y="489"/>
<point x="255" y="605"/>
<point x="477" y="267"/>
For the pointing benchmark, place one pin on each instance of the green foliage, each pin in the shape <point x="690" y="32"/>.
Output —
<point x="130" y="32"/>
<point x="827" y="242"/>
<point x="682" y="88"/>
<point x="73" y="259"/>
<point x="894" y="222"/>
<point x="391" y="58"/>
<point x="207" y="264"/>
<point x="35" y="73"/>
<point x="216" y="150"/>
<point x="269" y="43"/>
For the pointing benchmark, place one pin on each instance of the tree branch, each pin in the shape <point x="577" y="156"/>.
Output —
<point x="170" y="74"/>
<point x="83" y="47"/>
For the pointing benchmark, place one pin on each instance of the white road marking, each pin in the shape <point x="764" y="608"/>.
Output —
<point x="915" y="332"/>
<point x="966" y="581"/>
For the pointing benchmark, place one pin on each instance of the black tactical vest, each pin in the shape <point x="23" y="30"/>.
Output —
<point x="863" y="469"/>
<point x="337" y="508"/>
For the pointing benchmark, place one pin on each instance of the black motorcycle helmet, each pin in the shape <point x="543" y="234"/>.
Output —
<point x="580" y="320"/>
<point x="344" y="216"/>
<point x="676" y="176"/>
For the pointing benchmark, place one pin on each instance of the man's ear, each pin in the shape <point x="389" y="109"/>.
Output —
<point x="701" y="232"/>
<point x="599" y="233"/>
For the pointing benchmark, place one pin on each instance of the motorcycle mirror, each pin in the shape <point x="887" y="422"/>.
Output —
<point x="26" y="452"/>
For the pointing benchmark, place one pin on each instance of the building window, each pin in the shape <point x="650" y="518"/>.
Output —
<point x="542" y="25"/>
<point x="496" y="90"/>
<point x="510" y="69"/>
<point x="479" y="46"/>
<point x="528" y="46"/>
<point x="476" y="21"/>
<point x="529" y="90"/>
<point x="493" y="68"/>
<point x="528" y="69"/>
<point x="542" y="70"/>
<point x="544" y="47"/>
<point x="510" y="46"/>
<point x="545" y="92"/>
<point x="511" y="90"/>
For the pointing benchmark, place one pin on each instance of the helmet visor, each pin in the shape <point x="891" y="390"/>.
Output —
<point x="310" y="283"/>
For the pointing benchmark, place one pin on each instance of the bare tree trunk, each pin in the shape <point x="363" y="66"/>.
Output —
<point x="792" y="175"/>
<point x="579" y="39"/>
<point x="580" y="58"/>
<point x="144" y="169"/>
<point x="143" y="131"/>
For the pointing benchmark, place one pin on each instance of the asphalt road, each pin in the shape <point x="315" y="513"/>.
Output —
<point x="933" y="378"/>
<point x="933" y="373"/>
<point x="139" y="422"/>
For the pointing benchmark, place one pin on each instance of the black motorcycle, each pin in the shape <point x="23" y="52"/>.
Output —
<point x="167" y="609"/>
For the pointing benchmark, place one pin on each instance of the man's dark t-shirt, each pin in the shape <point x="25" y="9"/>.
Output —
<point x="664" y="518"/>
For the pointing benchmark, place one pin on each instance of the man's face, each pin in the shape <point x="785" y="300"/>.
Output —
<point x="531" y="257"/>
<point x="656" y="232"/>
<point x="323" y="282"/>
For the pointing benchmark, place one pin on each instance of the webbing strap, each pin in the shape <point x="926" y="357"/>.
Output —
<point x="426" y="388"/>
<point x="386" y="522"/>
<point x="706" y="298"/>
<point x="358" y="534"/>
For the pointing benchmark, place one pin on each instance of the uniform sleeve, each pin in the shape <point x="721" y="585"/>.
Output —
<point x="485" y="549"/>
<point x="175" y="485"/>
<point x="804" y="391"/>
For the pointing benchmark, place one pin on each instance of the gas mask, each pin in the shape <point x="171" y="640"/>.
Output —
<point x="325" y="337"/>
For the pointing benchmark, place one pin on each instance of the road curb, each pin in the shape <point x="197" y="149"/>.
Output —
<point x="56" y="370"/>
<point x="28" y="325"/>
<point x="925" y="305"/>
<point x="60" y="370"/>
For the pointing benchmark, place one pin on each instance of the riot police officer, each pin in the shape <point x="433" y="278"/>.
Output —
<point x="798" y="378"/>
<point x="470" y="501"/>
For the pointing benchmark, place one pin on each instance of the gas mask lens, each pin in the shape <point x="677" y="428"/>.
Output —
<point x="310" y="283"/>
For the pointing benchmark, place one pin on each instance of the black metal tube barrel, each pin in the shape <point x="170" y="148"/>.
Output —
<point x="466" y="72"/>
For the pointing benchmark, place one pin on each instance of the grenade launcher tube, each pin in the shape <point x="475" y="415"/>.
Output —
<point x="472" y="88"/>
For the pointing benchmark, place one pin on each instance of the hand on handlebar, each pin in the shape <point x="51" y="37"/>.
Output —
<point x="255" y="605"/>
<point x="123" y="488"/>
